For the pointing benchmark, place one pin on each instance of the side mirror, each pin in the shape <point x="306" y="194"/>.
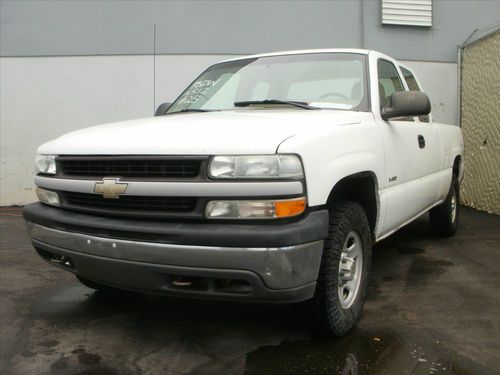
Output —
<point x="406" y="103"/>
<point x="162" y="109"/>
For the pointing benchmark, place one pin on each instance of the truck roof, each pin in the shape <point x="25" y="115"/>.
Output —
<point x="303" y="52"/>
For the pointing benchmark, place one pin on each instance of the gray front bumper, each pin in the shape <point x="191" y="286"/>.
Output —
<point x="275" y="274"/>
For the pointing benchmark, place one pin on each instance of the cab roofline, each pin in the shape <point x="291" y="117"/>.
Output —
<point x="302" y="52"/>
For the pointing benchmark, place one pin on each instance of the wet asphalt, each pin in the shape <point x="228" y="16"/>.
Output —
<point x="433" y="308"/>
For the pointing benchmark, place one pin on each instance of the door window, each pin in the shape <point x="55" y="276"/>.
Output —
<point x="388" y="81"/>
<point x="413" y="85"/>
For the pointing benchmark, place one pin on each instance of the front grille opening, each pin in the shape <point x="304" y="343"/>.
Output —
<point x="209" y="285"/>
<point x="57" y="259"/>
<point x="130" y="202"/>
<point x="140" y="168"/>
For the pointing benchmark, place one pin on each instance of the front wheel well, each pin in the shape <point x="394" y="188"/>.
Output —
<point x="361" y="188"/>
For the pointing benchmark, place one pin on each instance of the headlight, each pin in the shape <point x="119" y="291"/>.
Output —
<point x="256" y="209"/>
<point x="256" y="166"/>
<point x="45" y="164"/>
<point x="47" y="196"/>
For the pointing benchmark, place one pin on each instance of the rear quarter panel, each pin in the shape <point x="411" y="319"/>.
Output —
<point x="453" y="145"/>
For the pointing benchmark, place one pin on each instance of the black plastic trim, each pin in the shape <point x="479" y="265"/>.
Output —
<point x="201" y="176"/>
<point x="154" y="278"/>
<point x="311" y="226"/>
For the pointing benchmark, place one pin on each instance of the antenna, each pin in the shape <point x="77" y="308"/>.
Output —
<point x="154" y="68"/>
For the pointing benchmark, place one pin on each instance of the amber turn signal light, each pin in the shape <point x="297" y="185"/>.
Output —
<point x="287" y="208"/>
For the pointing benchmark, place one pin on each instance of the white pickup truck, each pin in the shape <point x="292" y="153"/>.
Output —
<point x="267" y="180"/>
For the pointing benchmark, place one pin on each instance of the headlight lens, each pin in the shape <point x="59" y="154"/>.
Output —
<point x="47" y="196"/>
<point x="256" y="166"/>
<point x="256" y="209"/>
<point x="45" y="164"/>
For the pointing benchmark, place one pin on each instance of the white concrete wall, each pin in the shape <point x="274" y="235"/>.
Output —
<point x="44" y="97"/>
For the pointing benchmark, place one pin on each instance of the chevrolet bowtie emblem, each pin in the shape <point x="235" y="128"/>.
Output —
<point x="110" y="188"/>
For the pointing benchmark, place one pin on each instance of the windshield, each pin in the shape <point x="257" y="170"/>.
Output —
<point x="322" y="80"/>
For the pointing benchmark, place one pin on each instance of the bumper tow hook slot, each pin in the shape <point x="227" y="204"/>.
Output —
<point x="179" y="281"/>
<point x="63" y="261"/>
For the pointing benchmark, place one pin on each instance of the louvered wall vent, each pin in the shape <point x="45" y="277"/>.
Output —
<point x="407" y="12"/>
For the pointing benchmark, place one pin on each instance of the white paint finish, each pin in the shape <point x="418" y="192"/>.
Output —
<point x="332" y="145"/>
<point x="301" y="51"/>
<point x="333" y="153"/>
<point x="408" y="200"/>
<point x="427" y="159"/>
<point x="241" y="131"/>
<point x="384" y="149"/>
<point x="44" y="97"/>
<point x="425" y="171"/>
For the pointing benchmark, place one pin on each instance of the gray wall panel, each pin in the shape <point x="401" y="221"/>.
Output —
<point x="48" y="28"/>
<point x="453" y="21"/>
<point x="51" y="28"/>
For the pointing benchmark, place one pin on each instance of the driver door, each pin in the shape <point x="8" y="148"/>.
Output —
<point x="400" y="147"/>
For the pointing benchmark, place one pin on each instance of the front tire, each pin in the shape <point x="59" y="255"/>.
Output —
<point x="444" y="218"/>
<point x="343" y="277"/>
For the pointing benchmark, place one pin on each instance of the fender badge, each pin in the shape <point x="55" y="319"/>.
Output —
<point x="110" y="188"/>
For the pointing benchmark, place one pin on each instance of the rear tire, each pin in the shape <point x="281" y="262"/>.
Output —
<point x="444" y="218"/>
<point x="343" y="276"/>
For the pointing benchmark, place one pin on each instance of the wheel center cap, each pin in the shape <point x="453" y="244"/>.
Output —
<point x="347" y="268"/>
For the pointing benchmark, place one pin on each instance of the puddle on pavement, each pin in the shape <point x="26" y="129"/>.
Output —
<point x="61" y="299"/>
<point x="361" y="352"/>
<point x="357" y="354"/>
<point x="82" y="363"/>
<point x="75" y="301"/>
<point x="78" y="302"/>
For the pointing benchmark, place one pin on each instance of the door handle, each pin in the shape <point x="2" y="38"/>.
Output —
<point x="421" y="141"/>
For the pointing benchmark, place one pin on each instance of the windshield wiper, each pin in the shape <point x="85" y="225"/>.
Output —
<point x="190" y="110"/>
<point x="302" y="105"/>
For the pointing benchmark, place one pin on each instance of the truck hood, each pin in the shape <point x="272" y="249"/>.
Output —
<point x="242" y="131"/>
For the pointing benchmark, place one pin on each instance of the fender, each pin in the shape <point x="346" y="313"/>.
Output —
<point x="330" y="156"/>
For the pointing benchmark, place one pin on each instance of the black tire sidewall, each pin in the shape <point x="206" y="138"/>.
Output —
<point x="441" y="216"/>
<point x="455" y="191"/>
<point x="354" y="312"/>
<point x="350" y="217"/>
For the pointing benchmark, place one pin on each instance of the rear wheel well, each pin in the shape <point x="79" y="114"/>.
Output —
<point x="361" y="188"/>
<point x="457" y="166"/>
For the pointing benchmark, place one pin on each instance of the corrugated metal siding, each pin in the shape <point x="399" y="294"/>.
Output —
<point x="407" y="12"/>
